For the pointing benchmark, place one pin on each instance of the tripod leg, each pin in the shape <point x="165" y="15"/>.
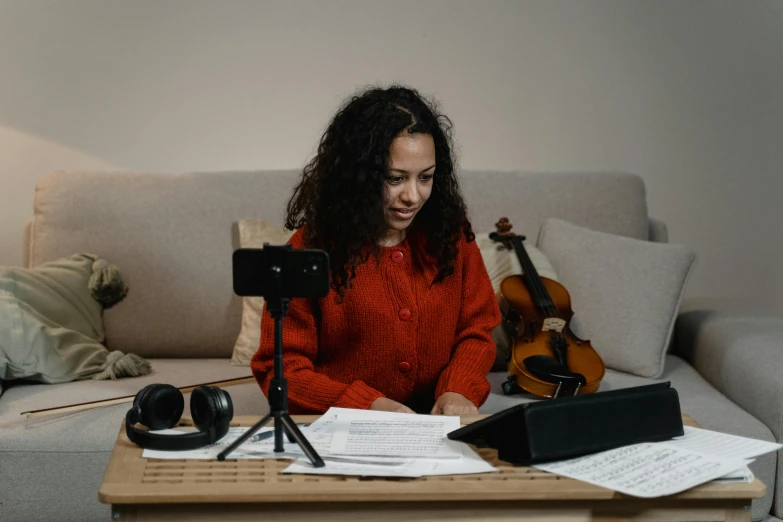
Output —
<point x="293" y="431"/>
<point x="291" y="439"/>
<point x="249" y="433"/>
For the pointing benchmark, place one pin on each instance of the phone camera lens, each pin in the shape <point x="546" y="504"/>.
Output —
<point x="313" y="266"/>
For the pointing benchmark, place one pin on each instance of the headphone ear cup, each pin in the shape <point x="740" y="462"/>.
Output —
<point x="134" y="414"/>
<point x="202" y="408"/>
<point x="139" y="398"/>
<point x="226" y="409"/>
<point x="161" y="406"/>
<point x="211" y="406"/>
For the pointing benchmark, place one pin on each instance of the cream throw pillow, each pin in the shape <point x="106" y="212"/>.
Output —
<point x="253" y="233"/>
<point x="501" y="263"/>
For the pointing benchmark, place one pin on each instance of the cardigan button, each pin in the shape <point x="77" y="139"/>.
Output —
<point x="397" y="256"/>
<point x="404" y="367"/>
<point x="405" y="314"/>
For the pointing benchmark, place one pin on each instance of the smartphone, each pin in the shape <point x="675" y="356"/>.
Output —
<point x="301" y="272"/>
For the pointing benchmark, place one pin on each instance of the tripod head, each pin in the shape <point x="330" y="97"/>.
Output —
<point x="279" y="273"/>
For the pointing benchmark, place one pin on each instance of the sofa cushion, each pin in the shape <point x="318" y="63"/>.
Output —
<point x="253" y="233"/>
<point x="708" y="407"/>
<point x="22" y="396"/>
<point x="625" y="293"/>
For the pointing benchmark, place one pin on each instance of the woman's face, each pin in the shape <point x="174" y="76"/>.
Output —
<point x="408" y="182"/>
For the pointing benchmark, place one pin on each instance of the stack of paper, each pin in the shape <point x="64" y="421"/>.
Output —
<point x="373" y="443"/>
<point x="359" y="442"/>
<point x="656" y="469"/>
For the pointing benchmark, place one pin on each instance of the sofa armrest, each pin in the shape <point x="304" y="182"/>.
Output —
<point x="740" y="354"/>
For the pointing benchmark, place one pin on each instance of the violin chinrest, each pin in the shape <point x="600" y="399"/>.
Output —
<point x="549" y="369"/>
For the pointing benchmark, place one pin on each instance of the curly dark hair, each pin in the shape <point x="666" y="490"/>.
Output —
<point x="339" y="198"/>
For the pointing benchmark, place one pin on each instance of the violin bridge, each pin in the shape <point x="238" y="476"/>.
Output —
<point x="555" y="324"/>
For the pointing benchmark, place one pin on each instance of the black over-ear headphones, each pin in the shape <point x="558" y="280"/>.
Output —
<point x="159" y="407"/>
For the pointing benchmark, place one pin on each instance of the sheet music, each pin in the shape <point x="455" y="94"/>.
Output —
<point x="743" y="474"/>
<point x="357" y="430"/>
<point x="377" y="433"/>
<point x="722" y="444"/>
<point x="470" y="463"/>
<point x="646" y="470"/>
<point x="250" y="449"/>
<point x="342" y="431"/>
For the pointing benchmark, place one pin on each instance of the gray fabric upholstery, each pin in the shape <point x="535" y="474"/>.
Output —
<point x="742" y="356"/>
<point x="173" y="235"/>
<point x="45" y="486"/>
<point x="608" y="202"/>
<point x="659" y="233"/>
<point x="19" y="398"/>
<point x="707" y="406"/>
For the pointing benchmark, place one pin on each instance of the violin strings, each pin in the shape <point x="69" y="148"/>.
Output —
<point x="528" y="271"/>
<point x="538" y="289"/>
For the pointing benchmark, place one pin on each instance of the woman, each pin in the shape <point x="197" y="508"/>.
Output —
<point x="407" y="324"/>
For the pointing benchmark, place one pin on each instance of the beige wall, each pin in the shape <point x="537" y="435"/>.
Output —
<point x="687" y="94"/>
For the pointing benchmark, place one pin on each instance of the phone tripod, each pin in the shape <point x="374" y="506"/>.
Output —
<point x="278" y="388"/>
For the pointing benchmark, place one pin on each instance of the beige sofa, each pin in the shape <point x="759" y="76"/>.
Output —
<point x="172" y="237"/>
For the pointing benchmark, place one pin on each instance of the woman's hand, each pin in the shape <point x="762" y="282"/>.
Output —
<point x="452" y="403"/>
<point x="384" y="404"/>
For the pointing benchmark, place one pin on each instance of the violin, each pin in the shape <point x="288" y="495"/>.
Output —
<point x="547" y="359"/>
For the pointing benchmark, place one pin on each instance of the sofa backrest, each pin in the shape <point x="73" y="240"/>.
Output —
<point x="172" y="236"/>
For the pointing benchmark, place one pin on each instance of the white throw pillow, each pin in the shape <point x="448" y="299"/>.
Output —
<point x="502" y="262"/>
<point x="625" y="293"/>
<point x="253" y="233"/>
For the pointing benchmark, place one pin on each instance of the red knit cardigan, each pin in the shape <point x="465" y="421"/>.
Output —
<point x="395" y="335"/>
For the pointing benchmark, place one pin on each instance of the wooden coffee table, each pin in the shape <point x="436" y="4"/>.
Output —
<point x="142" y="489"/>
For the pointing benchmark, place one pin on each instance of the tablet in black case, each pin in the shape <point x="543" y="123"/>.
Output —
<point x="569" y="427"/>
